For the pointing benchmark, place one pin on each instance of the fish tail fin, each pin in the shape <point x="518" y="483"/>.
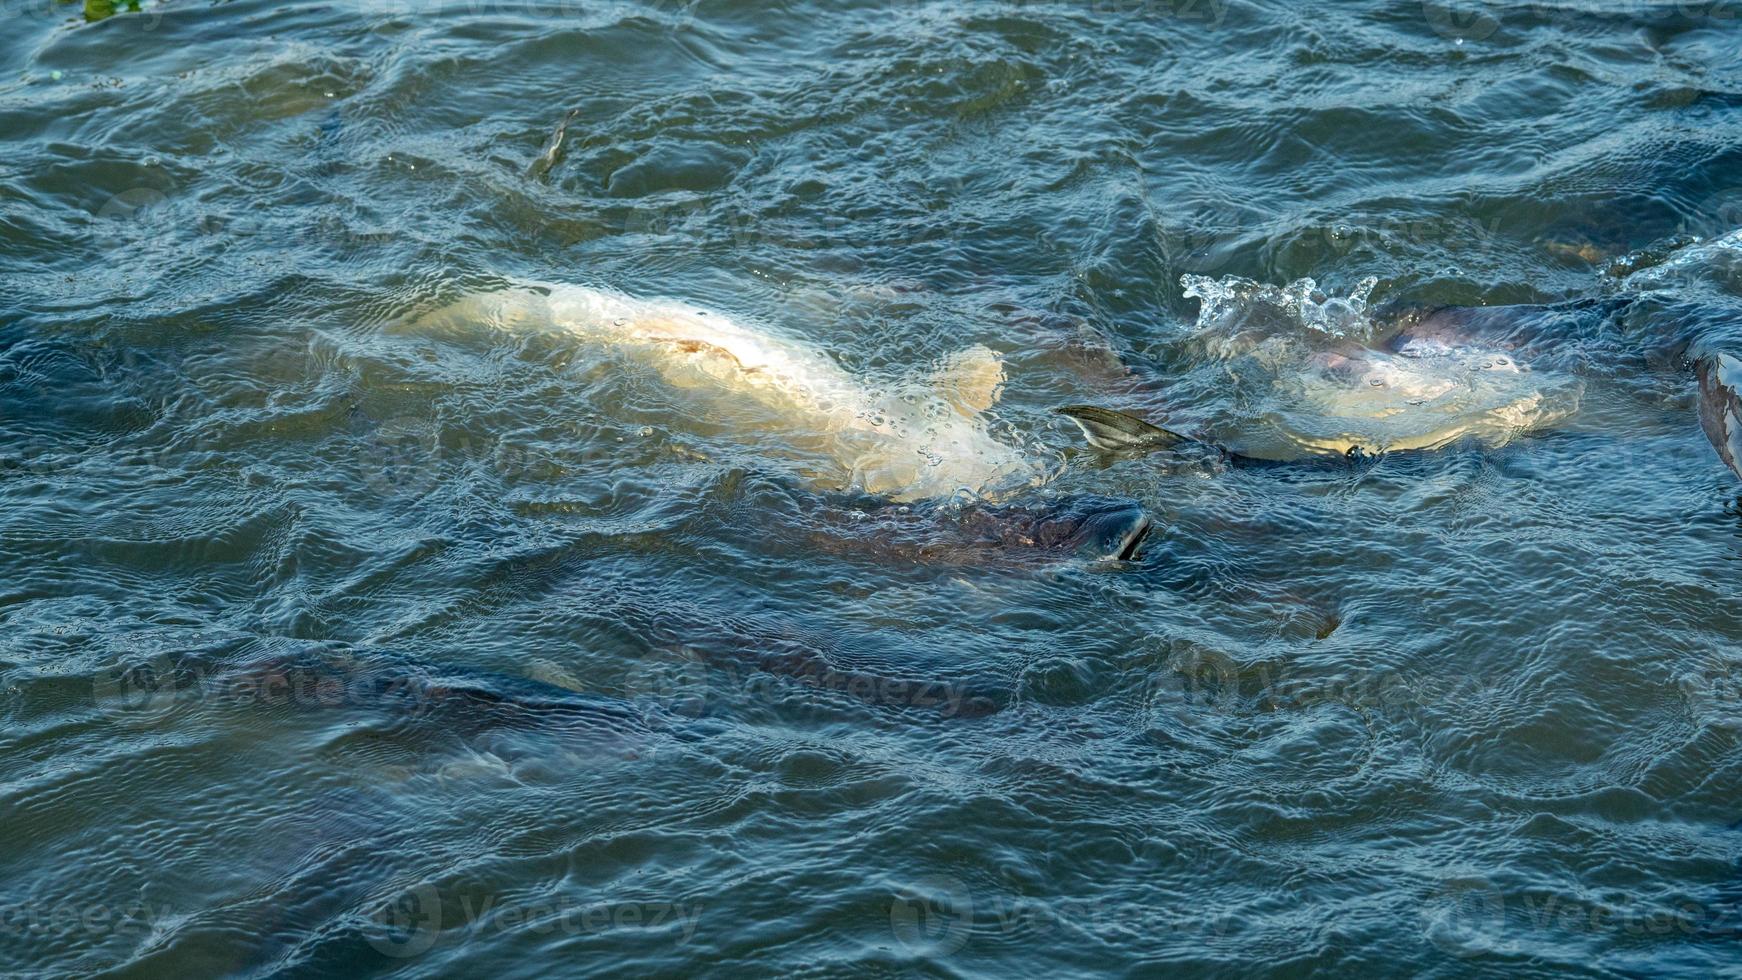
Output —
<point x="1119" y="432"/>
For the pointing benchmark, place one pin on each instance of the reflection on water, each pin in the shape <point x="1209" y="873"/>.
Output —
<point x="333" y="647"/>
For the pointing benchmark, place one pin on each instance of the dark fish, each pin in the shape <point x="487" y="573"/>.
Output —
<point x="1085" y="528"/>
<point x="1720" y="406"/>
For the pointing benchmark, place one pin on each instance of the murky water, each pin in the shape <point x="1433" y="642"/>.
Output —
<point x="337" y="647"/>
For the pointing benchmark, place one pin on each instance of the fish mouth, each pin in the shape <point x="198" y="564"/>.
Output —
<point x="1133" y="539"/>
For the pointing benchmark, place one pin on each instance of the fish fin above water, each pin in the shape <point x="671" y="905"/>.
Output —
<point x="1118" y="432"/>
<point x="971" y="379"/>
<point x="1721" y="406"/>
<point x="553" y="148"/>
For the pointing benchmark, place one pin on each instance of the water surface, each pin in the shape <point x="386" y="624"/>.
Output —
<point x="335" y="648"/>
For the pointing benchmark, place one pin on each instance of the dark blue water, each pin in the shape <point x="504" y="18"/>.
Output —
<point x="331" y="646"/>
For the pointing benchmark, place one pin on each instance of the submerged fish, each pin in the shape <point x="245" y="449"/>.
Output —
<point x="921" y="440"/>
<point x="1085" y="527"/>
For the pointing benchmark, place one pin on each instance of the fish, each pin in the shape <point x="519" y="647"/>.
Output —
<point x="926" y="438"/>
<point x="1086" y="527"/>
<point x="1674" y="335"/>
<point x="1307" y="387"/>
<point x="1720" y="378"/>
<point x="1499" y="340"/>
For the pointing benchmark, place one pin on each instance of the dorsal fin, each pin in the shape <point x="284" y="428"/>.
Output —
<point x="1118" y="432"/>
<point x="971" y="379"/>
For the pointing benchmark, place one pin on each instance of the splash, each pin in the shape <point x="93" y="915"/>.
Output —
<point x="1232" y="304"/>
<point x="1679" y="262"/>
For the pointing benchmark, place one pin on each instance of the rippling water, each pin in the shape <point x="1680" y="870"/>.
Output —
<point x="336" y="647"/>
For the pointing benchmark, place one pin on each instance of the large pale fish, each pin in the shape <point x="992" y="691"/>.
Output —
<point x="920" y="440"/>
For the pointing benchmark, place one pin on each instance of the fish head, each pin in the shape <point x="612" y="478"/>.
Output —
<point x="1089" y="528"/>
